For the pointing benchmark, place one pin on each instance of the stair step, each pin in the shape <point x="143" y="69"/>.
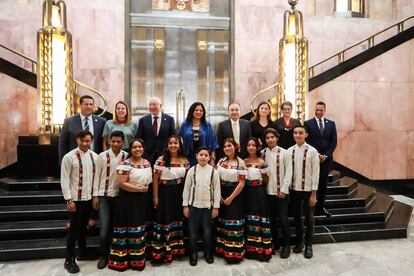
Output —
<point x="41" y="229"/>
<point x="344" y="185"/>
<point x="33" y="212"/>
<point x="333" y="176"/>
<point x="11" y="184"/>
<point x="30" y="197"/>
<point x="362" y="196"/>
<point x="38" y="249"/>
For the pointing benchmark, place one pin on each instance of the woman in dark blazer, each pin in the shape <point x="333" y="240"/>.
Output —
<point x="285" y="125"/>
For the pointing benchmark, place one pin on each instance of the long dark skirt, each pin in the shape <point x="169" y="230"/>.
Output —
<point x="230" y="228"/>
<point x="168" y="237"/>
<point x="131" y="227"/>
<point x="258" y="228"/>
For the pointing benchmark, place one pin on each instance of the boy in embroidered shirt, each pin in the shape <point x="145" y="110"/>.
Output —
<point x="105" y="191"/>
<point x="303" y="172"/>
<point x="76" y="180"/>
<point x="277" y="189"/>
<point x="201" y="202"/>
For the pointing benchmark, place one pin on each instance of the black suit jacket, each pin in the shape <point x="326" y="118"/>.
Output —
<point x="225" y="131"/>
<point x="325" y="143"/>
<point x="71" y="126"/>
<point x="154" y="145"/>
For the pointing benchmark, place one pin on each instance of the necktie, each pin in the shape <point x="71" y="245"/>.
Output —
<point x="321" y="128"/>
<point x="235" y="128"/>
<point x="86" y="123"/>
<point x="155" y="126"/>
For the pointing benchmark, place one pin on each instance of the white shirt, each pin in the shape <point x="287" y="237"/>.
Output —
<point x="323" y="122"/>
<point x="311" y="168"/>
<point x="199" y="189"/>
<point x="158" y="121"/>
<point x="104" y="184"/>
<point x="90" y="122"/>
<point x="235" y="127"/>
<point x="70" y="174"/>
<point x="271" y="160"/>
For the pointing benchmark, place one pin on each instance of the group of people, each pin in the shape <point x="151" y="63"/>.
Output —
<point x="154" y="186"/>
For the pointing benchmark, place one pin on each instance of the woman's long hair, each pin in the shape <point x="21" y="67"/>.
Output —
<point x="231" y="141"/>
<point x="132" y="143"/>
<point x="191" y="111"/>
<point x="167" y="154"/>
<point x="256" y="116"/>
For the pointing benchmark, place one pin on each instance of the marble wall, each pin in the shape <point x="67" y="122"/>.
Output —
<point x="97" y="29"/>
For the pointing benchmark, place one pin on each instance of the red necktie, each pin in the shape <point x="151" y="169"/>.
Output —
<point x="155" y="126"/>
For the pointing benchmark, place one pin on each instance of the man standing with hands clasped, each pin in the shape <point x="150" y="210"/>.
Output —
<point x="322" y="136"/>
<point x="303" y="170"/>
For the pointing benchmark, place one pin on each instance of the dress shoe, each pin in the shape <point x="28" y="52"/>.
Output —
<point x="193" y="259"/>
<point x="209" y="258"/>
<point x="285" y="253"/>
<point x="102" y="263"/>
<point x="298" y="248"/>
<point x="308" y="252"/>
<point x="71" y="266"/>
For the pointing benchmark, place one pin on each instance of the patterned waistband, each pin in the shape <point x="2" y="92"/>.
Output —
<point x="253" y="183"/>
<point x="229" y="183"/>
<point x="172" y="181"/>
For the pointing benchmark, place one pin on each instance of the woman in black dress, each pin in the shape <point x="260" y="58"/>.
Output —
<point x="258" y="230"/>
<point x="230" y="222"/>
<point x="285" y="125"/>
<point x="133" y="211"/>
<point x="261" y="120"/>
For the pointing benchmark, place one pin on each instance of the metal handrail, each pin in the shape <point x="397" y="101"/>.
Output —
<point x="371" y="39"/>
<point x="260" y="93"/>
<point x="341" y="54"/>
<point x="96" y="92"/>
<point x="76" y="82"/>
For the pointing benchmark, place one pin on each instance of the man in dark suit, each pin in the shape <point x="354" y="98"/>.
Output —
<point x="154" y="129"/>
<point x="83" y="121"/>
<point x="322" y="136"/>
<point x="236" y="128"/>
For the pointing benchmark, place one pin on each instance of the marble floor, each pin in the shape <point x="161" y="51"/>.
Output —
<point x="382" y="257"/>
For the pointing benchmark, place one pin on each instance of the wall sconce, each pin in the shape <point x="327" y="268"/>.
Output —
<point x="293" y="63"/>
<point x="349" y="8"/>
<point x="54" y="78"/>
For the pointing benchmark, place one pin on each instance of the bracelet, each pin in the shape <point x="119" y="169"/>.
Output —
<point x="155" y="197"/>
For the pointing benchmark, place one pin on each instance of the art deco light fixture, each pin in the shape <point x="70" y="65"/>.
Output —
<point x="293" y="63"/>
<point x="54" y="79"/>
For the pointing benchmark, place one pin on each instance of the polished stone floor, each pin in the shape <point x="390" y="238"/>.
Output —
<point x="382" y="257"/>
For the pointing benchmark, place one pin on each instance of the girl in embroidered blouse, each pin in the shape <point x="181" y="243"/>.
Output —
<point x="258" y="229"/>
<point x="230" y="223"/>
<point x="169" y="174"/>
<point x="133" y="211"/>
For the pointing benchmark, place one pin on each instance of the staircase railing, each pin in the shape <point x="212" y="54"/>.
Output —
<point x="341" y="55"/>
<point x="77" y="84"/>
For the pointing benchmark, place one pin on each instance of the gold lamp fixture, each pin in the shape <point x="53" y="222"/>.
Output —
<point x="293" y="63"/>
<point x="55" y="75"/>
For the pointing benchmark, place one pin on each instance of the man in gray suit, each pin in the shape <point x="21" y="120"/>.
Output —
<point x="83" y="121"/>
<point x="236" y="128"/>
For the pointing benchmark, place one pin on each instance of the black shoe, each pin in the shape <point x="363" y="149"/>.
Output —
<point x="193" y="259"/>
<point x="308" y="252"/>
<point x="298" y="248"/>
<point x="285" y="253"/>
<point x="71" y="266"/>
<point x="325" y="212"/>
<point x="102" y="263"/>
<point x="209" y="258"/>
